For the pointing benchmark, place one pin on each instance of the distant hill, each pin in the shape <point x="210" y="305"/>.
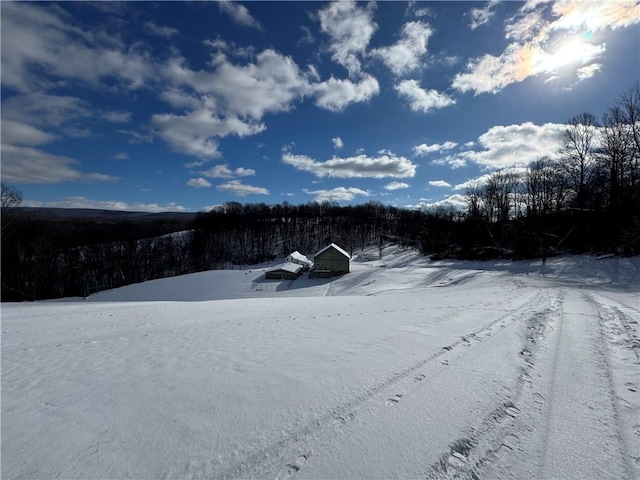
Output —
<point x="91" y="214"/>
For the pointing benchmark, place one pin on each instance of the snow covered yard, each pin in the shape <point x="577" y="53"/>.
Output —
<point x="403" y="368"/>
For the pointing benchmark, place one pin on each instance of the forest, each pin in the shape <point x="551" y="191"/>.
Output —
<point x="584" y="199"/>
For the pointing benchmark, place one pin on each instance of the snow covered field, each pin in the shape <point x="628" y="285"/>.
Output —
<point x="403" y="368"/>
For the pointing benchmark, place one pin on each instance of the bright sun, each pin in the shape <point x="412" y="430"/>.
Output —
<point x="570" y="51"/>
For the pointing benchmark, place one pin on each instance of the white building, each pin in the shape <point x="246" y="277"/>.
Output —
<point x="298" y="258"/>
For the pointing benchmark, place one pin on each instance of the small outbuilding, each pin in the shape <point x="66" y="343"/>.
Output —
<point x="329" y="262"/>
<point x="297" y="257"/>
<point x="286" y="271"/>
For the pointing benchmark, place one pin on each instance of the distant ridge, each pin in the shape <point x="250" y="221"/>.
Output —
<point x="98" y="214"/>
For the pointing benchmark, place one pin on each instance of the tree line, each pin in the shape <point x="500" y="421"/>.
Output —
<point x="47" y="257"/>
<point x="585" y="199"/>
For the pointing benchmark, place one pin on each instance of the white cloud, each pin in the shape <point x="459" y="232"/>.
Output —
<point x="337" y="194"/>
<point x="39" y="108"/>
<point x="179" y="98"/>
<point x="350" y="28"/>
<point x="360" y="166"/>
<point x="208" y="208"/>
<point x="18" y="133"/>
<point x="335" y="95"/>
<point x="404" y="56"/>
<point x="481" y="180"/>
<point x="424" y="149"/>
<point x="24" y="164"/>
<point x="230" y="48"/>
<point x="456" y="201"/>
<point x="439" y="183"/>
<point x="41" y="38"/>
<point x="153" y="28"/>
<point x="239" y="14"/>
<point x="588" y="71"/>
<point x="453" y="161"/>
<point x="121" y="156"/>
<point x="198" y="183"/>
<point x="195" y="133"/>
<point x="27" y="165"/>
<point x="480" y="16"/>
<point x="137" y="137"/>
<point x="511" y="145"/>
<point x="396" y="186"/>
<point x="337" y="142"/>
<point x="269" y="85"/>
<point x="548" y="38"/>
<point x="236" y="187"/>
<point x="117" y="117"/>
<point x="422" y="100"/>
<point x="223" y="171"/>
<point x="570" y="15"/>
<point x="307" y="37"/>
<point x="490" y="74"/>
<point x="83" y="202"/>
<point x="233" y="99"/>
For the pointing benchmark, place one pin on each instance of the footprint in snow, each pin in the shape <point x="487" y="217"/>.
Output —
<point x="512" y="411"/>
<point x="456" y="459"/>
<point x="625" y="403"/>
<point x="290" y="469"/>
<point x="418" y="378"/>
<point x="459" y="451"/>
<point x="393" y="400"/>
<point x="509" y="443"/>
<point x="538" y="399"/>
<point x="341" y="421"/>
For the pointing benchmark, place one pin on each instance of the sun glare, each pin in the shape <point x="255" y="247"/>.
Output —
<point x="573" y="50"/>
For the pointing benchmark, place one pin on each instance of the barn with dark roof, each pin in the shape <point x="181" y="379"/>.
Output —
<point x="330" y="262"/>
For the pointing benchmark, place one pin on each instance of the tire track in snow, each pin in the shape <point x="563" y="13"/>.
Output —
<point x="569" y="426"/>
<point x="496" y="436"/>
<point x="296" y="443"/>
<point x="621" y="334"/>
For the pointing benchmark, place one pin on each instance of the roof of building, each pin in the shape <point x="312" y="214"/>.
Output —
<point x="286" y="267"/>
<point x="298" y="256"/>
<point x="333" y="245"/>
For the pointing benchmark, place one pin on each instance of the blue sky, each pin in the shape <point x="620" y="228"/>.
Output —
<point x="173" y="106"/>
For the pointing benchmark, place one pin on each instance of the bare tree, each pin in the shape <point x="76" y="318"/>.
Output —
<point x="629" y="104"/>
<point x="500" y="194"/>
<point x="578" y="154"/>
<point x="545" y="187"/>
<point x="617" y="149"/>
<point x="10" y="197"/>
<point x="474" y="199"/>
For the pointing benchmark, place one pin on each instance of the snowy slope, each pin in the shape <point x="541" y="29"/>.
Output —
<point x="403" y="368"/>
